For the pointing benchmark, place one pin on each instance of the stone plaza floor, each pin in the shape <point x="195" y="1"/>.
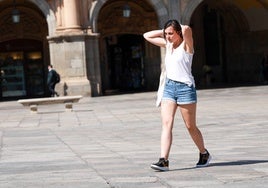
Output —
<point x="110" y="142"/>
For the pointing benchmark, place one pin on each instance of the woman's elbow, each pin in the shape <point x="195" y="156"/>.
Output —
<point x="145" y="35"/>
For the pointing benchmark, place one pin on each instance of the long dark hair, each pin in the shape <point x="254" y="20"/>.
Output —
<point x="176" y="26"/>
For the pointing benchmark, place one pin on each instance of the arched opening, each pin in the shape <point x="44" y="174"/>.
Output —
<point x="228" y="44"/>
<point x="23" y="51"/>
<point x="125" y="65"/>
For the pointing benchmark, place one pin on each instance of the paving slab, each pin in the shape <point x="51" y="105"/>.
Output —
<point x="111" y="141"/>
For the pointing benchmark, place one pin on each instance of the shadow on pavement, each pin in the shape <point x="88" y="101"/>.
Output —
<point x="231" y="163"/>
<point x="242" y="162"/>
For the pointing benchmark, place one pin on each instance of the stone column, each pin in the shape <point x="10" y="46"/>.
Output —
<point x="93" y="64"/>
<point x="71" y="14"/>
<point x="68" y="56"/>
<point x="71" y="53"/>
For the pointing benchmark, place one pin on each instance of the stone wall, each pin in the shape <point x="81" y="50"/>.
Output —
<point x="67" y="54"/>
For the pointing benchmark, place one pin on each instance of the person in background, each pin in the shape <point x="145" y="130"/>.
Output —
<point x="52" y="81"/>
<point x="178" y="90"/>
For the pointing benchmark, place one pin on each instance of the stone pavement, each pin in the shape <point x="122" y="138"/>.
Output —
<point x="111" y="142"/>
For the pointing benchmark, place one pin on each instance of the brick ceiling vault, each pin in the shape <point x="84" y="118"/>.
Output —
<point x="264" y="3"/>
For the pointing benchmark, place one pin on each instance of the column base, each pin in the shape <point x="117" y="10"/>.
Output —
<point x="80" y="86"/>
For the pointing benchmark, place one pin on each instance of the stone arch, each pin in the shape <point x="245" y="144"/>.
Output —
<point x="189" y="10"/>
<point x="48" y="13"/>
<point x="119" y="36"/>
<point x="28" y="38"/>
<point x="46" y="10"/>
<point x="232" y="11"/>
<point x="225" y="40"/>
<point x="159" y="6"/>
<point x="35" y="26"/>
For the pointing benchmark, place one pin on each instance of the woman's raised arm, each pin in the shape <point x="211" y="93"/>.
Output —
<point x="155" y="37"/>
<point x="188" y="38"/>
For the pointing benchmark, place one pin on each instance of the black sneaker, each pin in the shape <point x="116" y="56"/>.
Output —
<point x="203" y="159"/>
<point x="161" y="165"/>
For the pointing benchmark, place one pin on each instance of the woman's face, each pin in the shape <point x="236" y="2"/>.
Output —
<point x="171" y="35"/>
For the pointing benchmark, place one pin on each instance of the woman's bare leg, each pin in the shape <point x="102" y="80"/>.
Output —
<point x="188" y="113"/>
<point x="168" y="110"/>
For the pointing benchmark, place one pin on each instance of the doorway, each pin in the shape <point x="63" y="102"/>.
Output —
<point x="214" y="47"/>
<point x="22" y="69"/>
<point x="125" y="64"/>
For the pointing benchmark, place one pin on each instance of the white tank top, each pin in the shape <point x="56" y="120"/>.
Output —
<point x="179" y="64"/>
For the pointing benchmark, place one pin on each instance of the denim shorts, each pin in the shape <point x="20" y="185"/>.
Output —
<point x="179" y="92"/>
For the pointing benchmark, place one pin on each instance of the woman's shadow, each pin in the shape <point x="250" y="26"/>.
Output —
<point x="240" y="162"/>
<point x="230" y="163"/>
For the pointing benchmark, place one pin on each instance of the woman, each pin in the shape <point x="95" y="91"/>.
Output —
<point x="179" y="89"/>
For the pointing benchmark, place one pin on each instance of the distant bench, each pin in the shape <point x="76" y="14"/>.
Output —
<point x="67" y="100"/>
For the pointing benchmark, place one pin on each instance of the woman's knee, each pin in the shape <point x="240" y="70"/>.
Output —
<point x="192" y="129"/>
<point x="167" y="123"/>
<point x="167" y="120"/>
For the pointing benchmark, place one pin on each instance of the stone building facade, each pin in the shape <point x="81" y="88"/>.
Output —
<point x="98" y="48"/>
